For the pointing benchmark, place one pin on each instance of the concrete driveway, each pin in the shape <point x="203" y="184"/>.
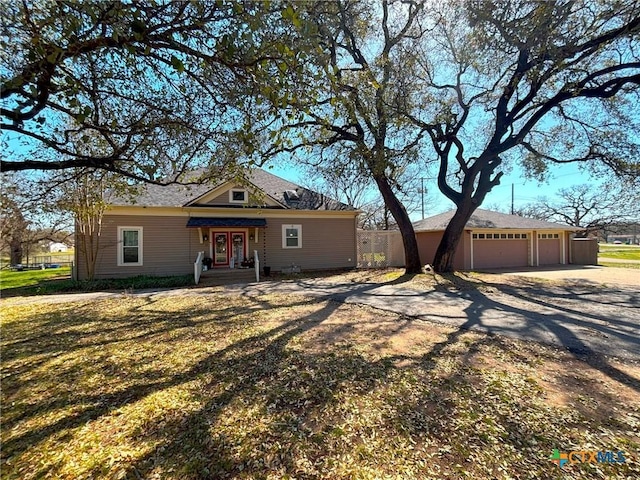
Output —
<point x="582" y="318"/>
<point x="592" y="274"/>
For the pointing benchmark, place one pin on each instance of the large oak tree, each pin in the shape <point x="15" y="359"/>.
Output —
<point x="338" y="104"/>
<point x="478" y="85"/>
<point x="157" y="83"/>
<point x="538" y="83"/>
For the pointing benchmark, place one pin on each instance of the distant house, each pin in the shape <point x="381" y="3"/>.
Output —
<point x="55" y="247"/>
<point x="497" y="240"/>
<point x="623" y="239"/>
<point x="161" y="231"/>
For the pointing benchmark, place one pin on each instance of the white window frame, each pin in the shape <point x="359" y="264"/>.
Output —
<point x="121" y="262"/>
<point x="500" y="236"/>
<point x="298" y="227"/>
<point x="549" y="236"/>
<point x="244" y="192"/>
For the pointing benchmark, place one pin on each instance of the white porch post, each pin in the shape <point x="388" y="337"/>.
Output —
<point x="197" y="267"/>
<point x="257" y="264"/>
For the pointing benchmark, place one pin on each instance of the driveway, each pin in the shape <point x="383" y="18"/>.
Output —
<point x="582" y="318"/>
<point x="592" y="274"/>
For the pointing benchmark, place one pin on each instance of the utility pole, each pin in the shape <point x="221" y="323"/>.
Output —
<point x="422" y="194"/>
<point x="512" y="198"/>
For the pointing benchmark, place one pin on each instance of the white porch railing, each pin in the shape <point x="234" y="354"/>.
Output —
<point x="197" y="267"/>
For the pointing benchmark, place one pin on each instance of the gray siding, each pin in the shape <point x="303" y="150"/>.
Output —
<point x="326" y="243"/>
<point x="223" y="198"/>
<point x="169" y="248"/>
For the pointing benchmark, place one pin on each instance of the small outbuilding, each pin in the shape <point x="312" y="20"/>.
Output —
<point x="497" y="240"/>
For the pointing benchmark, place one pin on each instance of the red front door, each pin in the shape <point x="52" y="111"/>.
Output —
<point x="238" y="252"/>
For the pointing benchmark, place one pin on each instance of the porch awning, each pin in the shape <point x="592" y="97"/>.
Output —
<point x="226" y="222"/>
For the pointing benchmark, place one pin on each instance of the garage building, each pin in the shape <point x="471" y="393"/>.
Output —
<point x="497" y="240"/>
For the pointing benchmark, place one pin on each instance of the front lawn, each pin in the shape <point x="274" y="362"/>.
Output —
<point x="29" y="278"/>
<point x="45" y="282"/>
<point x="622" y="252"/>
<point x="210" y="385"/>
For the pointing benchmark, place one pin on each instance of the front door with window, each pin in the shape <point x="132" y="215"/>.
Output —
<point x="227" y="245"/>
<point x="238" y="247"/>
<point x="220" y="249"/>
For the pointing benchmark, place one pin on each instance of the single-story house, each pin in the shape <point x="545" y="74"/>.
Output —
<point x="497" y="240"/>
<point x="162" y="230"/>
<point x="55" y="247"/>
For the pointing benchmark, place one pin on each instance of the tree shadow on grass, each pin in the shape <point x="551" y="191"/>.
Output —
<point x="252" y="364"/>
<point x="588" y="322"/>
<point x="296" y="401"/>
<point x="299" y="401"/>
<point x="75" y="339"/>
<point x="560" y="325"/>
<point x="279" y="387"/>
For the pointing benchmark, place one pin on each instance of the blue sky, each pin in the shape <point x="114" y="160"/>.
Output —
<point x="525" y="190"/>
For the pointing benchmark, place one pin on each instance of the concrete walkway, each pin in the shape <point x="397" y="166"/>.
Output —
<point x="586" y="274"/>
<point x="602" y="258"/>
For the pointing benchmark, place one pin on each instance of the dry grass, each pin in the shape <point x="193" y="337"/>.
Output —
<point x="603" y="262"/>
<point x="287" y="387"/>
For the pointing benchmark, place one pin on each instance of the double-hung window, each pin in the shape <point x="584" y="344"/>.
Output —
<point x="292" y="236"/>
<point x="129" y="246"/>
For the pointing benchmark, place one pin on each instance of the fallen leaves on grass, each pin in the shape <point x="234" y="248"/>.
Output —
<point x="219" y="386"/>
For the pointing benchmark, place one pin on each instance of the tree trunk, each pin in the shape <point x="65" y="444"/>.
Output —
<point x="88" y="249"/>
<point x="445" y="254"/>
<point x="16" y="251"/>
<point x="467" y="202"/>
<point x="411" y="254"/>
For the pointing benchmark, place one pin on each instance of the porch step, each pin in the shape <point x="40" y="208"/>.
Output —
<point x="228" y="276"/>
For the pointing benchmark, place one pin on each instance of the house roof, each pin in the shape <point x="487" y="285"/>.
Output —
<point x="149" y="195"/>
<point x="288" y="194"/>
<point x="488" y="219"/>
<point x="291" y="195"/>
